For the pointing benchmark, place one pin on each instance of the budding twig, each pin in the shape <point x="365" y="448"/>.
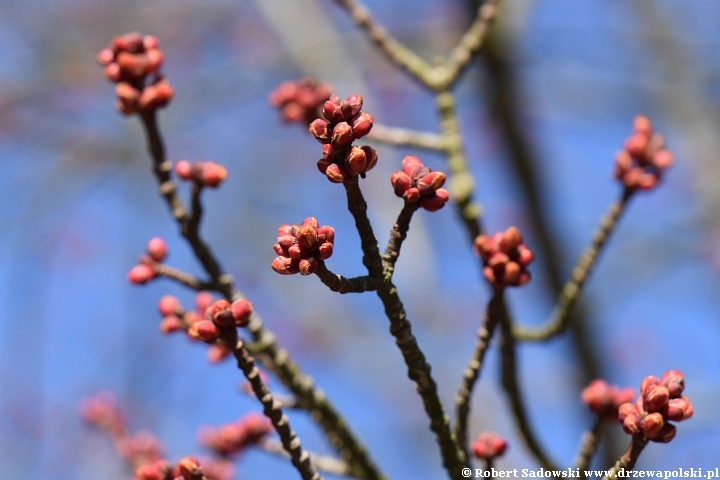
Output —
<point x="628" y="459"/>
<point x="323" y="463"/>
<point x="187" y="279"/>
<point x="454" y="459"/>
<point x="512" y="388"/>
<point x="272" y="409"/>
<point x="559" y="319"/>
<point x="472" y="371"/>
<point x="588" y="445"/>
<point x="402" y="137"/>
<point x="397" y="237"/>
<point x="275" y="358"/>
<point x="340" y="284"/>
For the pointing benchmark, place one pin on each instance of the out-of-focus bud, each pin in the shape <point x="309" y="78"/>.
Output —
<point x="204" y="331"/>
<point x="667" y="433"/>
<point x="489" y="446"/>
<point x="217" y="353"/>
<point x="220" y="313"/>
<point x="141" y="274"/>
<point x="652" y="424"/>
<point x="213" y="174"/>
<point x="190" y="468"/>
<point x="170" y="324"/>
<point x="241" y="310"/>
<point x="656" y="398"/>
<point x="674" y="380"/>
<point x="679" y="409"/>
<point x="169" y="305"/>
<point x="157" y="249"/>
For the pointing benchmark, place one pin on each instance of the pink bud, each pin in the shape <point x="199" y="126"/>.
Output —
<point x="155" y="60"/>
<point x="184" y="170"/>
<point x="647" y="384"/>
<point x="141" y="274"/>
<point x="312" y="222"/>
<point x="632" y="424"/>
<point x="411" y="195"/>
<point x="436" y="202"/>
<point x="126" y="93"/>
<point x="626" y="410"/>
<point x="189" y="468"/>
<point x="105" y="56"/>
<point x="169" y="305"/>
<point x="332" y="110"/>
<point x="112" y="72"/>
<point x="510" y="240"/>
<point x="642" y="125"/>
<point x="635" y="145"/>
<point x="400" y="182"/>
<point x="326" y="234"/>
<point x="295" y="251"/>
<point x="150" y="42"/>
<point x="411" y="165"/>
<point x="483" y="246"/>
<point x="220" y="313"/>
<point x="355" y="103"/>
<point x="356" y="161"/>
<point x="170" y="323"/>
<point x="674" y="380"/>
<point x="651" y="424"/>
<point x="429" y="183"/>
<point x="241" y="310"/>
<point x="308" y="266"/>
<point x="203" y="300"/>
<point x="679" y="409"/>
<point x="342" y="135"/>
<point x="489" y="446"/>
<point x="334" y="173"/>
<point x="511" y="274"/>
<point x="213" y="174"/>
<point x="326" y="250"/>
<point x="663" y="159"/>
<point x="319" y="129"/>
<point x="362" y="124"/>
<point x="204" y="331"/>
<point x="656" y="399"/>
<point x="157" y="249"/>
<point x="281" y="265"/>
<point x="525" y="256"/>
<point x="217" y="353"/>
<point x="498" y="260"/>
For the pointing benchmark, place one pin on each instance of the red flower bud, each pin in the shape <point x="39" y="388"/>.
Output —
<point x="435" y="203"/>
<point x="400" y="182"/>
<point x="308" y="266"/>
<point x="411" y="165"/>
<point x="326" y="234"/>
<point x="184" y="170"/>
<point x="679" y="409"/>
<point x="656" y="399"/>
<point x="342" y="135"/>
<point x="319" y="129"/>
<point x="213" y="174"/>
<point x="326" y="250"/>
<point x="674" y="380"/>
<point x="217" y="353"/>
<point x="355" y="103"/>
<point x="241" y="310"/>
<point x="335" y="173"/>
<point x="189" y="468"/>
<point x="204" y="331"/>
<point x="157" y="249"/>
<point x="652" y="424"/>
<point x="105" y="56"/>
<point x="169" y="305"/>
<point x="667" y="433"/>
<point x="220" y="313"/>
<point x="332" y="110"/>
<point x="281" y="265"/>
<point x="356" y="161"/>
<point x="203" y="300"/>
<point x="170" y="324"/>
<point x="362" y="124"/>
<point x="141" y="274"/>
<point x="489" y="446"/>
<point x="429" y="183"/>
<point x="648" y="384"/>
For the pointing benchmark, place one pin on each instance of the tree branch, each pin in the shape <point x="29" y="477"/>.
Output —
<point x="340" y="284"/>
<point x="398" y="234"/>
<point x="628" y="459"/>
<point x="402" y="137"/>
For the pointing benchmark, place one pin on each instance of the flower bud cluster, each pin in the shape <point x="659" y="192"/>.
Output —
<point x="343" y="124"/>
<point x="301" y="100"/>
<point x="660" y="402"/>
<point x="207" y="174"/>
<point x="101" y="412"/>
<point x="141" y="447"/>
<point x="129" y="60"/>
<point x="145" y="271"/>
<point x="505" y="258"/>
<point x="205" y="322"/>
<point x="300" y="248"/>
<point x="218" y="315"/>
<point x="233" y="438"/>
<point x="488" y="446"/>
<point x="416" y="183"/>
<point x="605" y="399"/>
<point x="644" y="158"/>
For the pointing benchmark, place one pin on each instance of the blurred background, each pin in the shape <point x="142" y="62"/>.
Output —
<point x="79" y="204"/>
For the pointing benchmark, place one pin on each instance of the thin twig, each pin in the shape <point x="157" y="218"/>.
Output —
<point x="272" y="409"/>
<point x="398" y="234"/>
<point x="395" y="51"/>
<point x="512" y="388"/>
<point x="461" y="183"/>
<point x="558" y="321"/>
<point x="493" y="313"/>
<point x="185" y="278"/>
<point x="274" y="357"/>
<point x="323" y="463"/>
<point x="454" y="459"/>
<point x="628" y="459"/>
<point x="588" y="445"/>
<point x="340" y="284"/>
<point x="402" y="137"/>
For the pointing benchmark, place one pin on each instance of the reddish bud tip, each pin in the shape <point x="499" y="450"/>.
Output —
<point x="157" y="249"/>
<point x="170" y="324"/>
<point x="241" y="310"/>
<point x="140" y="274"/>
<point x="213" y="174"/>
<point x="169" y="305"/>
